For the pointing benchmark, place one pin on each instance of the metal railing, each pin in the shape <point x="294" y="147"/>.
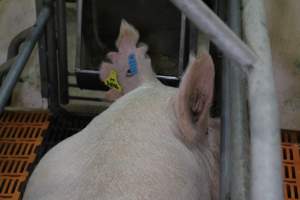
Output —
<point x="22" y="58"/>
<point x="265" y="153"/>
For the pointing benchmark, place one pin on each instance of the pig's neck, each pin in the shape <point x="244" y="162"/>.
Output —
<point x="204" y="154"/>
<point x="146" y="75"/>
<point x="209" y="160"/>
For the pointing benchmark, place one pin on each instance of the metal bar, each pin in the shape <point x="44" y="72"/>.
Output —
<point x="86" y="71"/>
<point x="16" y="69"/>
<point x="87" y="98"/>
<point x="15" y="43"/>
<point x="62" y="51"/>
<point x="78" y="34"/>
<point x="225" y="160"/>
<point x="52" y="59"/>
<point x="266" y="158"/>
<point x="182" y="45"/>
<point x="218" y="32"/>
<point x="225" y="147"/>
<point x="239" y="176"/>
<point x="95" y="25"/>
<point x="42" y="56"/>
<point x="73" y="85"/>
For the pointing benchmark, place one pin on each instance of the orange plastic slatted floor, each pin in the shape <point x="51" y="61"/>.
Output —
<point x="20" y="135"/>
<point x="291" y="164"/>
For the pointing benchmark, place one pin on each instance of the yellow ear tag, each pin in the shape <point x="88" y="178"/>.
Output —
<point x="112" y="81"/>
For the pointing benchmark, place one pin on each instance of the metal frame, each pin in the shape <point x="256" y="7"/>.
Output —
<point x="62" y="51"/>
<point x="169" y="80"/>
<point x="235" y="131"/>
<point x="266" y="153"/>
<point x="266" y="177"/>
<point x="16" y="69"/>
<point x="266" y="180"/>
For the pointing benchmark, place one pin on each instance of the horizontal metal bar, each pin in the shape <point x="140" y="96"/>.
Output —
<point x="17" y="68"/>
<point x="86" y="71"/>
<point x="210" y="24"/>
<point x="87" y="98"/>
<point x="73" y="85"/>
<point x="174" y="78"/>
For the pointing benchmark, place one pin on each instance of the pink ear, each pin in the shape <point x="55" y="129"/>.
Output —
<point x="105" y="69"/>
<point x="128" y="36"/>
<point x="121" y="63"/>
<point x="194" y="98"/>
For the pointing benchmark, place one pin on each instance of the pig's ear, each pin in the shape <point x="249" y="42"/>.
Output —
<point x="194" y="98"/>
<point x="128" y="36"/>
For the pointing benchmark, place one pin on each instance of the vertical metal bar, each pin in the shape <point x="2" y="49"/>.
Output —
<point x="53" y="95"/>
<point x="42" y="56"/>
<point x="62" y="51"/>
<point x="79" y="35"/>
<point x="182" y="45"/>
<point x="239" y="176"/>
<point x="95" y="25"/>
<point x="17" y="68"/>
<point x="218" y="32"/>
<point x="226" y="130"/>
<point x="266" y="158"/>
<point x="225" y="161"/>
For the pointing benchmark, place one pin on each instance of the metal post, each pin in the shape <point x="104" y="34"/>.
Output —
<point x="52" y="59"/>
<point x="266" y="158"/>
<point x="182" y="45"/>
<point x="217" y="31"/>
<point x="226" y="130"/>
<point x="239" y="176"/>
<point x="266" y="177"/>
<point x="17" y="68"/>
<point x="62" y="51"/>
<point x="42" y="46"/>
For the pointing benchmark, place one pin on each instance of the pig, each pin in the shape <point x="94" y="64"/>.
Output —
<point x="154" y="142"/>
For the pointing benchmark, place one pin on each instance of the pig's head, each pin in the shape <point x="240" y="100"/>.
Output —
<point x="130" y="67"/>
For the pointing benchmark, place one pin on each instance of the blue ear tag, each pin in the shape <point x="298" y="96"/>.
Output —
<point x="132" y="65"/>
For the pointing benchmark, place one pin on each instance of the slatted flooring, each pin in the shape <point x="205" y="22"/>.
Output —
<point x="20" y="135"/>
<point x="22" y="132"/>
<point x="291" y="164"/>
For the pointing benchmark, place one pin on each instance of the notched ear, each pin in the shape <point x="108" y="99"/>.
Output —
<point x="128" y="36"/>
<point x="194" y="99"/>
<point x="129" y="67"/>
<point x="105" y="69"/>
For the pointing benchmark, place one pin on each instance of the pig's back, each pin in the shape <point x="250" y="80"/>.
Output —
<point x="128" y="152"/>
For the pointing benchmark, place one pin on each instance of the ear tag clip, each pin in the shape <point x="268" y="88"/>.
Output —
<point x="132" y="65"/>
<point x="112" y="81"/>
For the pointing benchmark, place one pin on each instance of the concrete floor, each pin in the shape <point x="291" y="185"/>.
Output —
<point x="284" y="28"/>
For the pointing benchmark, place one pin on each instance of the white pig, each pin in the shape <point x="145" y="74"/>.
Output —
<point x="153" y="143"/>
